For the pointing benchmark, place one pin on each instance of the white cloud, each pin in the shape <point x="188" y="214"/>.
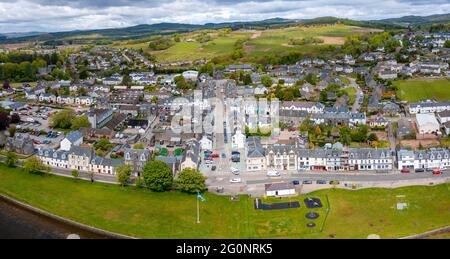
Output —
<point x="58" y="15"/>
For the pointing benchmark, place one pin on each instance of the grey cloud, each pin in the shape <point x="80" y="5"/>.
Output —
<point x="54" y="15"/>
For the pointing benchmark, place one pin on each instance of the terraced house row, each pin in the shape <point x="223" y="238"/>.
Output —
<point x="330" y="158"/>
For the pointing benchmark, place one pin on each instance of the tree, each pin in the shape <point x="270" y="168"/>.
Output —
<point x="4" y="120"/>
<point x="126" y="80"/>
<point x="75" y="173"/>
<point x="102" y="144"/>
<point x="12" y="131"/>
<point x="447" y="44"/>
<point x="373" y="137"/>
<point x="318" y="131"/>
<point x="266" y="81"/>
<point x="248" y="79"/>
<point x="138" y="146"/>
<point x="124" y="174"/>
<point x="157" y="176"/>
<point x="15" y="118"/>
<point x="34" y="165"/>
<point x="11" y="159"/>
<point x="80" y="122"/>
<point x="63" y="119"/>
<point x="191" y="181"/>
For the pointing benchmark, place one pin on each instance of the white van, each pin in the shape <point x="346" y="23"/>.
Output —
<point x="273" y="174"/>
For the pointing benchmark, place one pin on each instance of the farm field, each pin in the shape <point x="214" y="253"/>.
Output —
<point x="258" y="43"/>
<point x="277" y="41"/>
<point x="422" y="89"/>
<point x="141" y="213"/>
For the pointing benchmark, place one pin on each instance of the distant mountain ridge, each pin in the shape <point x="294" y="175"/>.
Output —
<point x="147" y="30"/>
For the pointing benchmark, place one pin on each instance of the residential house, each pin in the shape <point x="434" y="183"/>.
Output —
<point x="20" y="144"/>
<point x="103" y="165"/>
<point x="80" y="158"/>
<point x="74" y="138"/>
<point x="54" y="158"/>
<point x="99" y="117"/>
<point x="191" y="156"/>
<point x="137" y="158"/>
<point x="255" y="154"/>
<point x="424" y="159"/>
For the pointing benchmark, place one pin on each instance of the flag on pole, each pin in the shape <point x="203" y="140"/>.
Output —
<point x="199" y="195"/>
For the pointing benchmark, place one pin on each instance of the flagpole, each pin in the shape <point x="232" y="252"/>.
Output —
<point x="198" y="210"/>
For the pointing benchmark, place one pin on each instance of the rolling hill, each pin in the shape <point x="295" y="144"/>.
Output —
<point x="147" y="30"/>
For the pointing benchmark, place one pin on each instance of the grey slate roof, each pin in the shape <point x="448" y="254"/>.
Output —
<point x="55" y="154"/>
<point x="74" y="136"/>
<point x="255" y="148"/>
<point x="104" y="161"/>
<point x="82" y="151"/>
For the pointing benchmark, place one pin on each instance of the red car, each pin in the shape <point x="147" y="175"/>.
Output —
<point x="437" y="172"/>
<point x="404" y="171"/>
<point x="215" y="155"/>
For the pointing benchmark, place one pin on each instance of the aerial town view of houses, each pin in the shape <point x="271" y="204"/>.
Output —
<point x="260" y="114"/>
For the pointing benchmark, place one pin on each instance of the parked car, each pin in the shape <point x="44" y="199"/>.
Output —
<point x="437" y="172"/>
<point x="208" y="162"/>
<point x="307" y="182"/>
<point x="215" y="155"/>
<point x="235" y="171"/>
<point x="429" y="170"/>
<point x="321" y="182"/>
<point x="213" y="168"/>
<point x="404" y="171"/>
<point x="296" y="182"/>
<point x="420" y="170"/>
<point x="235" y="180"/>
<point x="334" y="182"/>
<point x="273" y="174"/>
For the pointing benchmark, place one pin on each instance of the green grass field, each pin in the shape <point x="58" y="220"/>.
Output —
<point x="259" y="43"/>
<point x="277" y="41"/>
<point x="422" y="89"/>
<point x="141" y="213"/>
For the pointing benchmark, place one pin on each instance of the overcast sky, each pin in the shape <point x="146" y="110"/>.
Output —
<point x="63" y="15"/>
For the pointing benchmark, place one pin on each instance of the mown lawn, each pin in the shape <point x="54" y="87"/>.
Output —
<point x="415" y="90"/>
<point x="141" y="213"/>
